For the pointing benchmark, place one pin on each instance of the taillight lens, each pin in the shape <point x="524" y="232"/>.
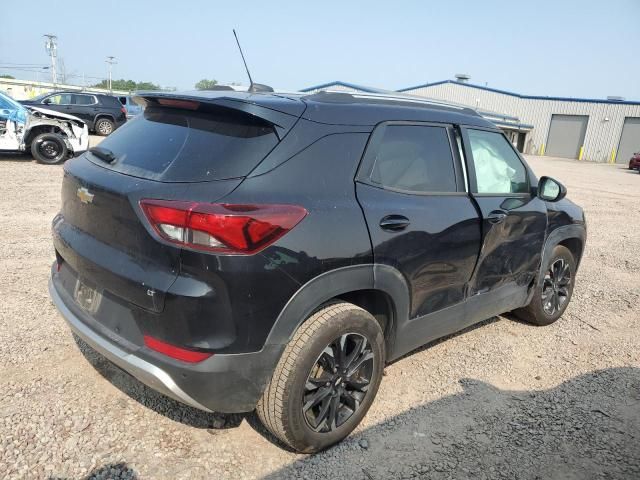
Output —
<point x="123" y="110"/>
<point x="183" y="354"/>
<point x="219" y="227"/>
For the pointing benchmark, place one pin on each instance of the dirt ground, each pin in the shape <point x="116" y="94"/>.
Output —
<point x="501" y="400"/>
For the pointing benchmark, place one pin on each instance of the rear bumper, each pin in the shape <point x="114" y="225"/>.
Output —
<point x="223" y="383"/>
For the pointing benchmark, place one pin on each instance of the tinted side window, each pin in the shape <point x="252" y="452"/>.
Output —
<point x="498" y="168"/>
<point x="83" y="99"/>
<point x="414" y="159"/>
<point x="111" y="102"/>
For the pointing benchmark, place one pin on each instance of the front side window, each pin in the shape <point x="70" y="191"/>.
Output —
<point x="498" y="168"/>
<point x="414" y="158"/>
<point x="59" y="99"/>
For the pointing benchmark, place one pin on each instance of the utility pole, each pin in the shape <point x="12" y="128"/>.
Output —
<point x="111" y="62"/>
<point x="51" y="46"/>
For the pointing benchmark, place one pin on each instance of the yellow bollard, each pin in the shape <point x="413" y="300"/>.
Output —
<point x="581" y="152"/>
<point x="613" y="156"/>
<point x="541" y="150"/>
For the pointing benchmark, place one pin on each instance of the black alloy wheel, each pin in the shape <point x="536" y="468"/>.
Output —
<point x="555" y="287"/>
<point x="326" y="379"/>
<point x="553" y="291"/>
<point x="338" y="382"/>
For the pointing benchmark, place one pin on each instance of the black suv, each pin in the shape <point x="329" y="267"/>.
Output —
<point x="102" y="113"/>
<point x="241" y="251"/>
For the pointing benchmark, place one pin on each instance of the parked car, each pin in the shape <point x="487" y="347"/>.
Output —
<point x="634" y="162"/>
<point x="102" y="113"/>
<point x="51" y="137"/>
<point x="241" y="251"/>
<point x="131" y="106"/>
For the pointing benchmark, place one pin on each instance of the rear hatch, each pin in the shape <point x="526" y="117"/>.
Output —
<point x="178" y="149"/>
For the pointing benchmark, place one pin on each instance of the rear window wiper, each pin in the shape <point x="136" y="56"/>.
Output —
<point x="103" y="154"/>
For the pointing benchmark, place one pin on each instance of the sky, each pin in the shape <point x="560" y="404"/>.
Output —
<point x="587" y="48"/>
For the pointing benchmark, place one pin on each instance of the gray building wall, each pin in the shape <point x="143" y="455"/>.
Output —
<point x="602" y="136"/>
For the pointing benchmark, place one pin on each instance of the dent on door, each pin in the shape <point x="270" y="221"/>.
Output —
<point x="512" y="246"/>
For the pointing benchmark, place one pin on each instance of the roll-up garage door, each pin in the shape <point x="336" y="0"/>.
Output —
<point x="629" y="140"/>
<point x="566" y="135"/>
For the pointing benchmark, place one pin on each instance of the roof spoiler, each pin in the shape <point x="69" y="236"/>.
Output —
<point x="282" y="121"/>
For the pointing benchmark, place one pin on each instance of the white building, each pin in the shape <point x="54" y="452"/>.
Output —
<point x="606" y="130"/>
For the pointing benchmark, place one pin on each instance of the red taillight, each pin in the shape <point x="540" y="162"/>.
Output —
<point x="123" y="110"/>
<point x="172" y="351"/>
<point x="224" y="228"/>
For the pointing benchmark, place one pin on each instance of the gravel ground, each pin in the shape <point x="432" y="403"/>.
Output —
<point x="502" y="400"/>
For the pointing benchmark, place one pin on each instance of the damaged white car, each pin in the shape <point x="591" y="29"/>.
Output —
<point x="50" y="136"/>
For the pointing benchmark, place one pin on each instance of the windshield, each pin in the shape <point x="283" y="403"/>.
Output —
<point x="12" y="110"/>
<point x="39" y="98"/>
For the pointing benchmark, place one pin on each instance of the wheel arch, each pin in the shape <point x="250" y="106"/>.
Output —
<point x="573" y="237"/>
<point x="575" y="245"/>
<point x="37" y="130"/>
<point x="379" y="289"/>
<point x="103" y="115"/>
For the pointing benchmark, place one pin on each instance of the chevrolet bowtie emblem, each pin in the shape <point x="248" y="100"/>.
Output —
<point x="84" y="195"/>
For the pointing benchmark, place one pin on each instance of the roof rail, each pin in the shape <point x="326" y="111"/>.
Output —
<point x="397" y="97"/>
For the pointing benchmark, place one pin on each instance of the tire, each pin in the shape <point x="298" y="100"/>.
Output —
<point x="299" y="376"/>
<point x="555" y="287"/>
<point x="104" y="127"/>
<point x="49" y="148"/>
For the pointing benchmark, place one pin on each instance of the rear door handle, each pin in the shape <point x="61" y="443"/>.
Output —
<point x="394" y="223"/>
<point x="497" y="216"/>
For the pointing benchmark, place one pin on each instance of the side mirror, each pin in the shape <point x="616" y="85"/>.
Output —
<point x="4" y="112"/>
<point x="551" y="190"/>
<point x="46" y="101"/>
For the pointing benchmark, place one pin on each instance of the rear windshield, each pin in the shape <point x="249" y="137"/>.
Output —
<point x="174" y="145"/>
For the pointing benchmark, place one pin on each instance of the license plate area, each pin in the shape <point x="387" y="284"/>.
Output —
<point x="87" y="296"/>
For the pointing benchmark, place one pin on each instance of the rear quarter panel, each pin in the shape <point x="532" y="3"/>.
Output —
<point x="333" y="234"/>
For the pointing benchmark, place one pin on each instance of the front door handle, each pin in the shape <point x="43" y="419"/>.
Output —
<point x="497" y="216"/>
<point x="394" y="223"/>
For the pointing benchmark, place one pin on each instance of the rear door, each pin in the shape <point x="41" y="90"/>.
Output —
<point x="420" y="218"/>
<point x="83" y="106"/>
<point x="514" y="221"/>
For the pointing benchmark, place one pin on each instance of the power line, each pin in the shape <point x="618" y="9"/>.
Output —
<point x="23" y="64"/>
